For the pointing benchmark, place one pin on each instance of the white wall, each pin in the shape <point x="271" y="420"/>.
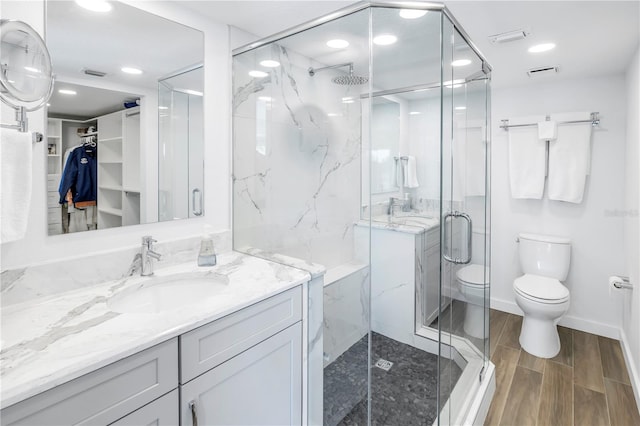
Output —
<point x="630" y="333"/>
<point x="597" y="235"/>
<point x="37" y="247"/>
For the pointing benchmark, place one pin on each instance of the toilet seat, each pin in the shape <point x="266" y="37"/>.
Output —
<point x="473" y="275"/>
<point x="541" y="289"/>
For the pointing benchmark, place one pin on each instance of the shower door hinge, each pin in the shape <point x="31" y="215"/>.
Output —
<point x="481" y="376"/>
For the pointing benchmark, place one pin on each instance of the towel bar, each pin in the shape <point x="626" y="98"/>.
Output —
<point x="595" y="121"/>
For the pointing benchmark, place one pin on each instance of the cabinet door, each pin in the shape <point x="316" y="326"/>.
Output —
<point x="261" y="386"/>
<point x="161" y="412"/>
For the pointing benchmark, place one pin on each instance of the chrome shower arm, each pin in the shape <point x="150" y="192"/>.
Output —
<point x="313" y="71"/>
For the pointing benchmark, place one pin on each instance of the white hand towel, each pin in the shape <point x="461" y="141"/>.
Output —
<point x="15" y="197"/>
<point x="569" y="160"/>
<point x="410" y="173"/>
<point x="527" y="158"/>
<point x="547" y="130"/>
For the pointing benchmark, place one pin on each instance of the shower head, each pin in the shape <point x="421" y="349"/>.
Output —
<point x="344" y="80"/>
<point x="350" y="80"/>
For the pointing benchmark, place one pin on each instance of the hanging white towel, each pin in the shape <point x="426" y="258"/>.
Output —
<point x="410" y="173"/>
<point x="570" y="159"/>
<point x="547" y="130"/>
<point x="15" y="197"/>
<point x="527" y="159"/>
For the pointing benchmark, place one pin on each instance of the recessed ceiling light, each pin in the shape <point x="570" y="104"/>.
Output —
<point x="258" y="74"/>
<point x="347" y="100"/>
<point x="265" y="98"/>
<point x="412" y="13"/>
<point x="338" y="43"/>
<point x="460" y="62"/>
<point x="48" y="104"/>
<point x="163" y="107"/>
<point x="32" y="69"/>
<point x="193" y="92"/>
<point x="541" y="47"/>
<point x="95" y="5"/>
<point x="333" y="114"/>
<point x="460" y="108"/>
<point x="269" y="63"/>
<point x="67" y="92"/>
<point x="385" y="39"/>
<point x="131" y="70"/>
<point x="415" y="113"/>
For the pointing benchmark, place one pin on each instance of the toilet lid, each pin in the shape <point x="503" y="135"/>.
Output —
<point x="540" y="287"/>
<point x="473" y="274"/>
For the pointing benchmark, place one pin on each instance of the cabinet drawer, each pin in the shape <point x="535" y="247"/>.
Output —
<point x="212" y="344"/>
<point x="105" y="395"/>
<point x="161" y="412"/>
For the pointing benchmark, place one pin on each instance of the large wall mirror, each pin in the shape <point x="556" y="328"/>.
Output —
<point x="125" y="134"/>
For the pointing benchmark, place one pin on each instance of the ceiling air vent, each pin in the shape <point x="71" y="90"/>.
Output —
<point x="94" y="72"/>
<point x="533" y="72"/>
<point x="509" y="36"/>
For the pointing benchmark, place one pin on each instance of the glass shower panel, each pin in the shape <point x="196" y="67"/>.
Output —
<point x="298" y="180"/>
<point x="464" y="302"/>
<point x="181" y="144"/>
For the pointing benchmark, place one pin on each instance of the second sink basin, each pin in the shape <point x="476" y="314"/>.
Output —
<point x="163" y="293"/>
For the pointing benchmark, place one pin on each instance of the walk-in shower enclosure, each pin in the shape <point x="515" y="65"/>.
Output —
<point x="361" y="144"/>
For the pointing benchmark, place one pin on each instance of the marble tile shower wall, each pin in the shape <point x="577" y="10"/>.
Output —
<point x="297" y="150"/>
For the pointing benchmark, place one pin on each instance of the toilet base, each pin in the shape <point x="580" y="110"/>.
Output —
<point x="540" y="337"/>
<point x="475" y="323"/>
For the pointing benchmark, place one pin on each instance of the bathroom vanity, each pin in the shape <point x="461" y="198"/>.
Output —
<point x="74" y="359"/>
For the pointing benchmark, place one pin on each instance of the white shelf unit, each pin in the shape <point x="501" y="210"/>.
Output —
<point x="54" y="170"/>
<point x="118" y="167"/>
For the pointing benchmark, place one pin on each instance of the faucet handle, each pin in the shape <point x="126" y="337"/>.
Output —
<point x="148" y="240"/>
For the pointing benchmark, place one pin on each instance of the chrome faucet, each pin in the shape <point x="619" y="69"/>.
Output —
<point x="403" y="203"/>
<point x="147" y="255"/>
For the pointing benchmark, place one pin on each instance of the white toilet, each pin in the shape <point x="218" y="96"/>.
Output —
<point x="473" y="281"/>
<point x="540" y="294"/>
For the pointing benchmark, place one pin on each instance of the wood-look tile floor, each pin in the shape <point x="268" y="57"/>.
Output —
<point x="585" y="384"/>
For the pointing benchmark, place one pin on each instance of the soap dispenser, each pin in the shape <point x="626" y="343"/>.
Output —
<point x="207" y="256"/>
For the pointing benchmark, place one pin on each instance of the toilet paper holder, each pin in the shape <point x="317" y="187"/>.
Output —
<point x="621" y="282"/>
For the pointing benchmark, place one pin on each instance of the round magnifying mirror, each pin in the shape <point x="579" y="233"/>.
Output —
<point x="25" y="66"/>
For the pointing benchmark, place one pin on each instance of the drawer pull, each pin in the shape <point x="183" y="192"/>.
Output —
<point x="194" y="414"/>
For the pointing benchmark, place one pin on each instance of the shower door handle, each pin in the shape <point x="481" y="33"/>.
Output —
<point x="193" y="202"/>
<point x="467" y="258"/>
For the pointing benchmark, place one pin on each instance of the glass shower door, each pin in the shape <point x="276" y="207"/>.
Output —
<point x="463" y="320"/>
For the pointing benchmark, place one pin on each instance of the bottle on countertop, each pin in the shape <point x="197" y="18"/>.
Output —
<point x="207" y="255"/>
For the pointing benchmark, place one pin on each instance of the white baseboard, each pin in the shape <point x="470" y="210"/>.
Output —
<point x="632" y="368"/>
<point x="576" y="323"/>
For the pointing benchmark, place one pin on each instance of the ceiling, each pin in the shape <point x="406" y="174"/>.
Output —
<point x="592" y="37"/>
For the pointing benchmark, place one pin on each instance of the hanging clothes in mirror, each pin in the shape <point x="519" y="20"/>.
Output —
<point x="79" y="187"/>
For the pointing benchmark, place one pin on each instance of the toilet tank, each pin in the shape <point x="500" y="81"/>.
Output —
<point x="545" y="255"/>
<point x="479" y="237"/>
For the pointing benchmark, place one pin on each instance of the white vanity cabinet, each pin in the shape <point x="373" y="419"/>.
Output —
<point x="244" y="368"/>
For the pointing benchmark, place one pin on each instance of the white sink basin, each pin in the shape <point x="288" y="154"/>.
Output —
<point x="164" y="293"/>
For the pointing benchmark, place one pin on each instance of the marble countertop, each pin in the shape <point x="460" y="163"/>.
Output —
<point x="52" y="340"/>
<point x="410" y="223"/>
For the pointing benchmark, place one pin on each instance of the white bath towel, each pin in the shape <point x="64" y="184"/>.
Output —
<point x="547" y="130"/>
<point x="15" y="197"/>
<point x="410" y="173"/>
<point x="527" y="160"/>
<point x="570" y="159"/>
